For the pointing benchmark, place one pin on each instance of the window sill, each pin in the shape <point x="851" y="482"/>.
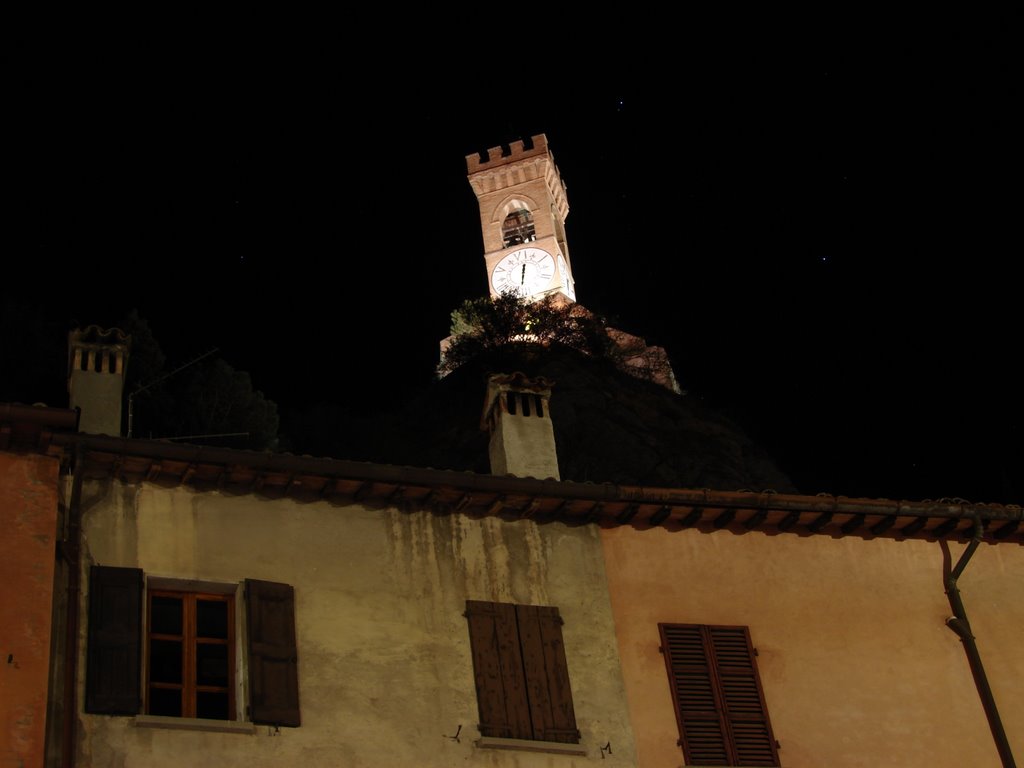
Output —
<point x="194" y="724"/>
<point x="529" y="745"/>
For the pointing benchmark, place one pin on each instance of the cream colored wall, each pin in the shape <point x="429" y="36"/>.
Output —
<point x="857" y="665"/>
<point x="385" y="672"/>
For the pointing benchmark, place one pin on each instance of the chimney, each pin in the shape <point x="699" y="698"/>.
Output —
<point x="97" y="361"/>
<point x="522" y="437"/>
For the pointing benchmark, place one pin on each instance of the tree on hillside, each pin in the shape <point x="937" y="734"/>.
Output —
<point x="485" y="324"/>
<point x="205" y="401"/>
<point x="211" y="402"/>
<point x="509" y="321"/>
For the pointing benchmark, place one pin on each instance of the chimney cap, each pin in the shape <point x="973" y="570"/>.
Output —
<point x="497" y="383"/>
<point x="94" y="336"/>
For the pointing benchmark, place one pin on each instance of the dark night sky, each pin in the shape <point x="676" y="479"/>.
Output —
<point x="823" y="244"/>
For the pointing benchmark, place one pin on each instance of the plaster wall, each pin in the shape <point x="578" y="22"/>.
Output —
<point x="385" y="671"/>
<point x="857" y="665"/>
<point x="28" y="520"/>
<point x="523" y="446"/>
<point x="98" y="395"/>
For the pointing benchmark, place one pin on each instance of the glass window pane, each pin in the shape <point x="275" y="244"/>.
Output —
<point x="212" y="705"/>
<point x="165" y="661"/>
<point x="212" y="618"/>
<point x="211" y="664"/>
<point x="165" y="702"/>
<point x="165" y="615"/>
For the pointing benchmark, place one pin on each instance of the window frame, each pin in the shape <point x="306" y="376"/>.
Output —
<point x="717" y="695"/>
<point x="190" y="640"/>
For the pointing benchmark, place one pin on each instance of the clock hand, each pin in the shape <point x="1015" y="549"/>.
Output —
<point x="522" y="279"/>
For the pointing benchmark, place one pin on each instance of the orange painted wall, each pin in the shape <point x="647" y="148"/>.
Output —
<point x="28" y="519"/>
<point x="857" y="665"/>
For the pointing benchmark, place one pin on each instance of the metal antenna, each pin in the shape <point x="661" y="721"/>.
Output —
<point x="131" y="397"/>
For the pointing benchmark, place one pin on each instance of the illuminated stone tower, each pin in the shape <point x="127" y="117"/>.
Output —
<point x="523" y="207"/>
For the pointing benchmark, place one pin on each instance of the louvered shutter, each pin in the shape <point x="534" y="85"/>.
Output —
<point x="738" y="680"/>
<point x="718" y="697"/>
<point x="112" y="678"/>
<point x="273" y="657"/>
<point x="698" y="711"/>
<point x="547" y="674"/>
<point x="498" y="670"/>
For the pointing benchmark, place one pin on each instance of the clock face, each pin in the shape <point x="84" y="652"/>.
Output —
<point x="525" y="272"/>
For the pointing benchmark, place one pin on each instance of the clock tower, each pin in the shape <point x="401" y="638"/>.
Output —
<point x="522" y="214"/>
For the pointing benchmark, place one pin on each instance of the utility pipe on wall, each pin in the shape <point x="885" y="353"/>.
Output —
<point x="74" y="565"/>
<point x="958" y="623"/>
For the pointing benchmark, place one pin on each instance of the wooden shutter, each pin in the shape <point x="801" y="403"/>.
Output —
<point x="547" y="674"/>
<point x="498" y="670"/>
<point x="719" y="702"/>
<point x="522" y="680"/>
<point x="273" y="657"/>
<point x="113" y="676"/>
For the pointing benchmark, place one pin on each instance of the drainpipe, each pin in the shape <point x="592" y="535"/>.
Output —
<point x="73" y="550"/>
<point x="959" y="624"/>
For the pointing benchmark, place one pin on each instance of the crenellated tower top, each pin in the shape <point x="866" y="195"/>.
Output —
<point x="515" y="163"/>
<point x="509" y="153"/>
<point x="523" y="207"/>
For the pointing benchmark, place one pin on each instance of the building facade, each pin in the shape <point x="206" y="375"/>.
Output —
<point x="342" y="618"/>
<point x="856" y="663"/>
<point x="260" y="609"/>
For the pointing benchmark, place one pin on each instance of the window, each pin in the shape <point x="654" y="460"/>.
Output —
<point x="191" y="642"/>
<point x="522" y="681"/>
<point x="717" y="693"/>
<point x="190" y="655"/>
<point x="518" y="228"/>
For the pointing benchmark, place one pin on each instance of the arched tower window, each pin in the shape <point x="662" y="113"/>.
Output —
<point x="518" y="228"/>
